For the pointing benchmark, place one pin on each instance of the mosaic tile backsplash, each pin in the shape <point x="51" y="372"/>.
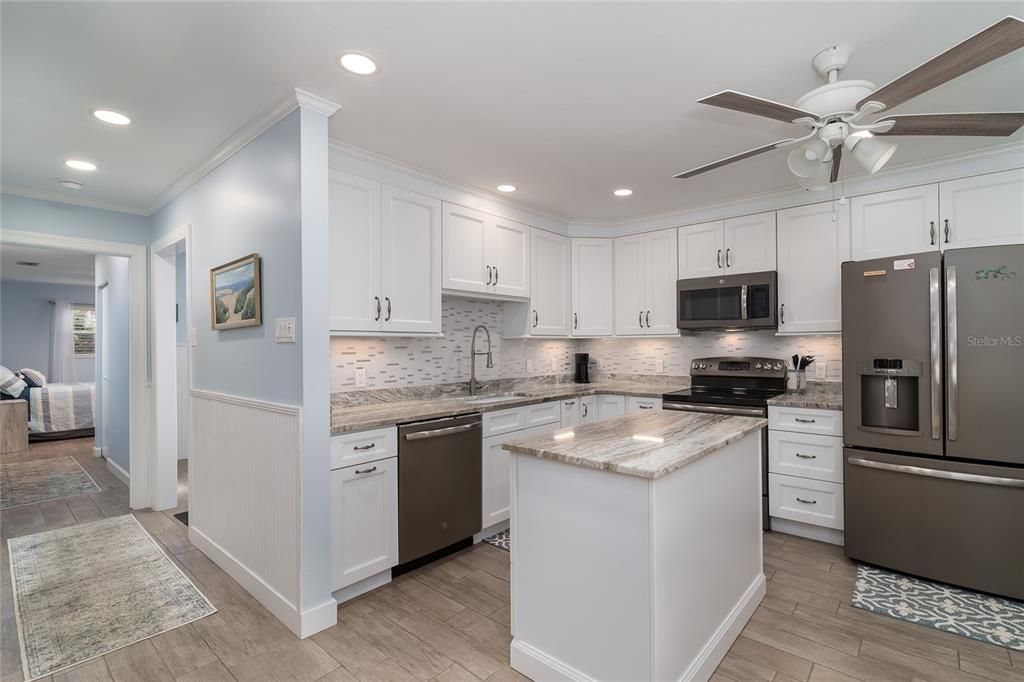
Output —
<point x="391" y="362"/>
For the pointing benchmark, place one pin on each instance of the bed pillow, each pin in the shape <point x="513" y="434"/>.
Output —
<point x="33" y="377"/>
<point x="10" y="383"/>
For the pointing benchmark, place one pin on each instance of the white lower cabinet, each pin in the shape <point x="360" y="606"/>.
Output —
<point x="609" y="406"/>
<point x="819" y="503"/>
<point x="494" y="501"/>
<point x="635" y="404"/>
<point x="364" y="520"/>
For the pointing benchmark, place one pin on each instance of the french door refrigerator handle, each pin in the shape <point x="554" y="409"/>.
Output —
<point x="952" y="400"/>
<point x="937" y="473"/>
<point x="935" y="319"/>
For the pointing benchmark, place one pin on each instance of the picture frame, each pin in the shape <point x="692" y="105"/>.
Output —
<point x="236" y="296"/>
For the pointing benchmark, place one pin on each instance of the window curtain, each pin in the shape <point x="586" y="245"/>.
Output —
<point x="62" y="345"/>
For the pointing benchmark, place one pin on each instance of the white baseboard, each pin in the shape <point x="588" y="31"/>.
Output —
<point x="491" y="530"/>
<point x="706" y="662"/>
<point x="362" y="587"/>
<point x="538" y="665"/>
<point x="809" y="531"/>
<point x="303" y="624"/>
<point x="118" y="471"/>
<point x="97" y="452"/>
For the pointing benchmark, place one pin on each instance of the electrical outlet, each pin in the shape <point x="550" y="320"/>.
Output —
<point x="360" y="377"/>
<point x="529" y="365"/>
<point x="820" y="369"/>
<point x="553" y="366"/>
<point x="659" y="366"/>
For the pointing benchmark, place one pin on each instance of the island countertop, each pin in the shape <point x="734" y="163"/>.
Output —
<point x="647" y="445"/>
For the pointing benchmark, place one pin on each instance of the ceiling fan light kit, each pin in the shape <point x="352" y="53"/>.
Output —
<point x="834" y="112"/>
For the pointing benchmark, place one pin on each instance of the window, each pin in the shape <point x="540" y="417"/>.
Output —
<point x="83" y="318"/>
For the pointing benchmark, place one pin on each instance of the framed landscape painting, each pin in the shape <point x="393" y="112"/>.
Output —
<point x="235" y="293"/>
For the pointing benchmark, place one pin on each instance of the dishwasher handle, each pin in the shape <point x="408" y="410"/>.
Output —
<point x="438" y="433"/>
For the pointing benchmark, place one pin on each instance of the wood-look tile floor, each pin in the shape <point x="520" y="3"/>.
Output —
<point x="450" y="620"/>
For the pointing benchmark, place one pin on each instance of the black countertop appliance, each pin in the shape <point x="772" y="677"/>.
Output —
<point x="582" y="368"/>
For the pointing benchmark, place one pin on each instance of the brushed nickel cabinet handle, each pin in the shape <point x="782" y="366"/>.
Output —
<point x="377" y="318"/>
<point x="387" y="318"/>
<point x="718" y="258"/>
<point x="646" y="407"/>
<point x="489" y="275"/>
<point x="803" y="421"/>
<point x="931" y="232"/>
<point x="803" y="501"/>
<point x="371" y="446"/>
<point x="648" y="318"/>
<point x="575" y="321"/>
<point x="585" y="410"/>
<point x="366" y="471"/>
<point x="803" y="456"/>
<point x="727" y="263"/>
<point x="782" y="314"/>
<point x="640" y="319"/>
<point x="946" y="221"/>
<point x="536" y="318"/>
<point x="570" y="403"/>
<point x="495" y="275"/>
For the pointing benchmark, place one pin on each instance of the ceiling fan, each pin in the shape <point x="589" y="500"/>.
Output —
<point x="836" y="112"/>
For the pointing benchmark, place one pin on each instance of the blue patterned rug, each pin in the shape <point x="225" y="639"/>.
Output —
<point x="501" y="540"/>
<point x="983" y="617"/>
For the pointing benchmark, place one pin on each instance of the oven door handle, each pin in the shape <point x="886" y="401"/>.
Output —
<point x="716" y="409"/>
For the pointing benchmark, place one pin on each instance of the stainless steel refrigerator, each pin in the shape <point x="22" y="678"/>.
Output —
<point x="933" y="415"/>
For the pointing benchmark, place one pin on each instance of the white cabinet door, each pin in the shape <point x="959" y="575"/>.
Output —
<point x="700" y="250"/>
<point x="551" y="284"/>
<point x="465" y="250"/>
<point x="609" y="406"/>
<point x="811" y="248"/>
<point x="986" y="210"/>
<point x="589" y="411"/>
<point x="660" y="267"/>
<point x="364" y="520"/>
<point x="353" y="207"/>
<point x="592" y="287"/>
<point x="495" y="495"/>
<point x="895" y="223"/>
<point x="749" y="244"/>
<point x="637" y="404"/>
<point x="570" y="413"/>
<point x="410" y="262"/>
<point x="508" y="252"/>
<point x="629" y="286"/>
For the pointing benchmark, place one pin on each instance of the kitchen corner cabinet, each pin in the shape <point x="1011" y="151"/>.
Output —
<point x="984" y="210"/>
<point x="727" y="247"/>
<point x="593" y="281"/>
<point x="894" y="223"/>
<point x="645" y="283"/>
<point x="364" y="520"/>
<point x="812" y="243"/>
<point x="484" y="254"/>
<point x="384" y="247"/>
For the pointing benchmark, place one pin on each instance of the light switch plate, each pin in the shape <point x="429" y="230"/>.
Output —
<point x="820" y="369"/>
<point x="284" y="330"/>
<point x="553" y="366"/>
<point x="360" y="377"/>
<point x="529" y="365"/>
<point x="659" y="366"/>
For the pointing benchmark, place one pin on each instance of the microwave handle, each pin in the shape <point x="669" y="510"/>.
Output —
<point x="743" y="302"/>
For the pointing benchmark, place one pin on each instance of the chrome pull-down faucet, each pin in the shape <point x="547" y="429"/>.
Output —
<point x="473" y="352"/>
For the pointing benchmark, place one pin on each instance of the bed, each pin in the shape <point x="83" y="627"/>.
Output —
<point x="57" y="411"/>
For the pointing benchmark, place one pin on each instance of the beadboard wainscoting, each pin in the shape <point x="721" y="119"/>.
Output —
<point x="245" y="495"/>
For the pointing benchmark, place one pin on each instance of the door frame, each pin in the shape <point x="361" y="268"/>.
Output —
<point x="164" y="459"/>
<point x="139" y="405"/>
<point x="102" y="303"/>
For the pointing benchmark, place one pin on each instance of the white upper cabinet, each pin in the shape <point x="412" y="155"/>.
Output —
<point x="700" y="250"/>
<point x="749" y="244"/>
<point x="384" y="247"/>
<point x="811" y="247"/>
<point x="985" y="210"/>
<point x="551" y="284"/>
<point x="484" y="254"/>
<point x="895" y="223"/>
<point x="410" y="261"/>
<point x="645" y="284"/>
<point x="593" y="281"/>
<point x="354" y="246"/>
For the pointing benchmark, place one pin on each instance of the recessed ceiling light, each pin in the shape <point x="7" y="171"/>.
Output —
<point x="80" y="165"/>
<point x="507" y="188"/>
<point x="111" y="117"/>
<point x="70" y="184"/>
<point x="358" y="63"/>
<point x="623" y="192"/>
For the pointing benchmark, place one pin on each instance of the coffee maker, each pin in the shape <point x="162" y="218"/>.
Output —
<point x="582" y="368"/>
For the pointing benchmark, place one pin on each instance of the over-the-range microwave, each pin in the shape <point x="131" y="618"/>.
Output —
<point x="729" y="302"/>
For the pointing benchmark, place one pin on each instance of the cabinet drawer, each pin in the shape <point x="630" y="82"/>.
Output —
<point x="804" y="420"/>
<point x="507" y="421"/>
<point x="349" y="449"/>
<point x="634" y="404"/>
<point x="539" y="415"/>
<point x="806" y="454"/>
<point x="819" y="503"/>
<point x="501" y="421"/>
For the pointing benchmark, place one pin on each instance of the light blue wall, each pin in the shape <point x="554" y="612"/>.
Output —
<point x="39" y="215"/>
<point x="26" y="319"/>
<point x="114" y="330"/>
<point x="181" y="328"/>
<point x="248" y="204"/>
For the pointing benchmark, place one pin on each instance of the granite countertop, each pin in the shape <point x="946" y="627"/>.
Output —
<point x="345" y="419"/>
<point x="647" y="445"/>
<point x="820" y="395"/>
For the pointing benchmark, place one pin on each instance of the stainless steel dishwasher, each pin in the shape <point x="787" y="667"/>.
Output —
<point x="439" y="483"/>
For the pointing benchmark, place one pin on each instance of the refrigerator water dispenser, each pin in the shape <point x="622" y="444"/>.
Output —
<point x="889" y="394"/>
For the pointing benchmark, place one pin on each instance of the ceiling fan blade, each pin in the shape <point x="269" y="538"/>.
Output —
<point x="729" y="159"/>
<point x="748" y="104"/>
<point x="837" y="156"/>
<point x="1000" y="124"/>
<point x="997" y="40"/>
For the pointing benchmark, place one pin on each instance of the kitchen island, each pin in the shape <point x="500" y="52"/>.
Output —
<point x="636" y="546"/>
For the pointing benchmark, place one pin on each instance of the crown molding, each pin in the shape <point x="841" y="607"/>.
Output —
<point x="308" y="100"/>
<point x="62" y="198"/>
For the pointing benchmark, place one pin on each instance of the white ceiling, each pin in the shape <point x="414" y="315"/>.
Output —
<point x="566" y="100"/>
<point x="55" y="266"/>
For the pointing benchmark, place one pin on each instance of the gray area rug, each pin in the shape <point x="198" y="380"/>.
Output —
<point x="502" y="540"/>
<point x="983" y="617"/>
<point x="42" y="480"/>
<point x="83" y="591"/>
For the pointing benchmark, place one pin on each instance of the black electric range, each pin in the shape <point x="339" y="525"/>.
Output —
<point x="736" y="386"/>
